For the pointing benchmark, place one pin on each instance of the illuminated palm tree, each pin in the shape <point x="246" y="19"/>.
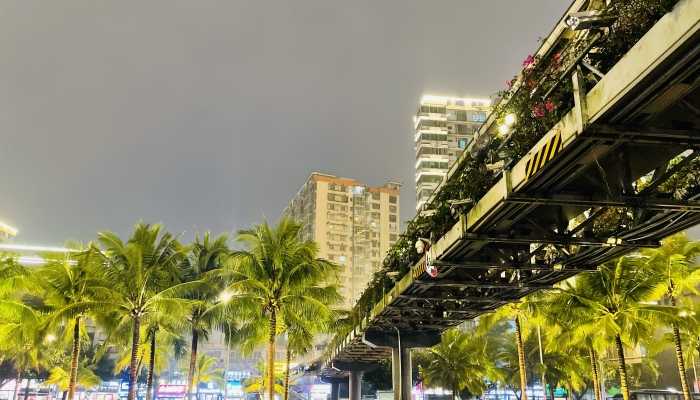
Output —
<point x="63" y="379"/>
<point x="679" y="277"/>
<point x="204" y="258"/>
<point x="73" y="286"/>
<point x="460" y="361"/>
<point x="613" y="302"/>
<point x="206" y="371"/>
<point x="518" y="313"/>
<point x="23" y="337"/>
<point x="143" y="274"/>
<point x="279" y="277"/>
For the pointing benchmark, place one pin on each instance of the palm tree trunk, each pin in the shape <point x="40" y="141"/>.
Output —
<point x="133" y="363"/>
<point x="271" y="356"/>
<point x="193" y="362"/>
<point x="622" y="368"/>
<point x="594" y="370"/>
<point x="680" y="361"/>
<point x="17" y="383"/>
<point x="75" y="357"/>
<point x="151" y="366"/>
<point x="286" y="374"/>
<point x="26" y="389"/>
<point x="521" y="360"/>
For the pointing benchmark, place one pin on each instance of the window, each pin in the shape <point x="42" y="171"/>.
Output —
<point x="392" y="199"/>
<point x="433" y="164"/>
<point x="461" y="115"/>
<point x="375" y="196"/>
<point x="462" y="143"/>
<point x="392" y="217"/>
<point x="432" y="109"/>
<point x="429" y="179"/>
<point x="431" y="150"/>
<point x="432" y="137"/>
<point x="478" y="117"/>
<point x="375" y="206"/>
<point x="338" y="197"/>
<point x="392" y="237"/>
<point x="392" y="209"/>
<point x="429" y="123"/>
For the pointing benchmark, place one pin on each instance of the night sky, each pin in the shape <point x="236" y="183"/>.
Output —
<point x="209" y="115"/>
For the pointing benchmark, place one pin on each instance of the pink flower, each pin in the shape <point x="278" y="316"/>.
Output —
<point x="549" y="106"/>
<point x="556" y="59"/>
<point x="538" y="110"/>
<point x="509" y="83"/>
<point x="529" y="61"/>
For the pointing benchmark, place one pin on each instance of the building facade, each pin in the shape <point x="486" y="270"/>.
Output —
<point x="444" y="126"/>
<point x="354" y="225"/>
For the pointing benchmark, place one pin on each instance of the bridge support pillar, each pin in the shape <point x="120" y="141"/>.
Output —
<point x="355" y="384"/>
<point x="335" y="389"/>
<point x="402" y="373"/>
<point x="401" y="343"/>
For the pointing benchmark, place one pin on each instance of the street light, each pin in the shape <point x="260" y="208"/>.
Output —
<point x="590" y="19"/>
<point x="422" y="244"/>
<point x="503" y="130"/>
<point x="510" y="119"/>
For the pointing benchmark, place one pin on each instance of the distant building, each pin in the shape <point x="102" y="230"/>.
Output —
<point x="444" y="126"/>
<point x="353" y="224"/>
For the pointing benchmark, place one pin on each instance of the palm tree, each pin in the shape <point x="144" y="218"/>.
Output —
<point x="678" y="279"/>
<point x="206" y="371"/>
<point x="205" y="256"/>
<point x="300" y="336"/>
<point x="72" y="291"/>
<point x="63" y="378"/>
<point x="24" y="338"/>
<point x="460" y="361"/>
<point x="258" y="383"/>
<point x="167" y="326"/>
<point x="565" y="330"/>
<point x="279" y="276"/>
<point x="143" y="275"/>
<point x="517" y="312"/>
<point x="613" y="302"/>
<point x="12" y="274"/>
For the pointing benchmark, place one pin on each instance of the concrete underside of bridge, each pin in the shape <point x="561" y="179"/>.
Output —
<point x="626" y="136"/>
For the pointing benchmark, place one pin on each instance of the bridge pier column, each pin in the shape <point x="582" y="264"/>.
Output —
<point x="335" y="389"/>
<point x="401" y="342"/>
<point x="402" y="373"/>
<point x="355" y="384"/>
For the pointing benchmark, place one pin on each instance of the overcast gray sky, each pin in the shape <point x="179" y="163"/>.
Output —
<point x="211" y="114"/>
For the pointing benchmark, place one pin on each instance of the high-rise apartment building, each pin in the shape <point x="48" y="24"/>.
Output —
<point x="353" y="224"/>
<point x="444" y="126"/>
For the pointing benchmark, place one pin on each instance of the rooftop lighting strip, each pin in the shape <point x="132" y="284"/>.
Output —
<point x="8" y="229"/>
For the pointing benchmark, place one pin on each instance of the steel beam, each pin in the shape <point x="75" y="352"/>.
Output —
<point x="472" y="299"/>
<point x="623" y="202"/>
<point x="488" y="285"/>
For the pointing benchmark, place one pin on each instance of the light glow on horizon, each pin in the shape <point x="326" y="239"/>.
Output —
<point x="24" y="247"/>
